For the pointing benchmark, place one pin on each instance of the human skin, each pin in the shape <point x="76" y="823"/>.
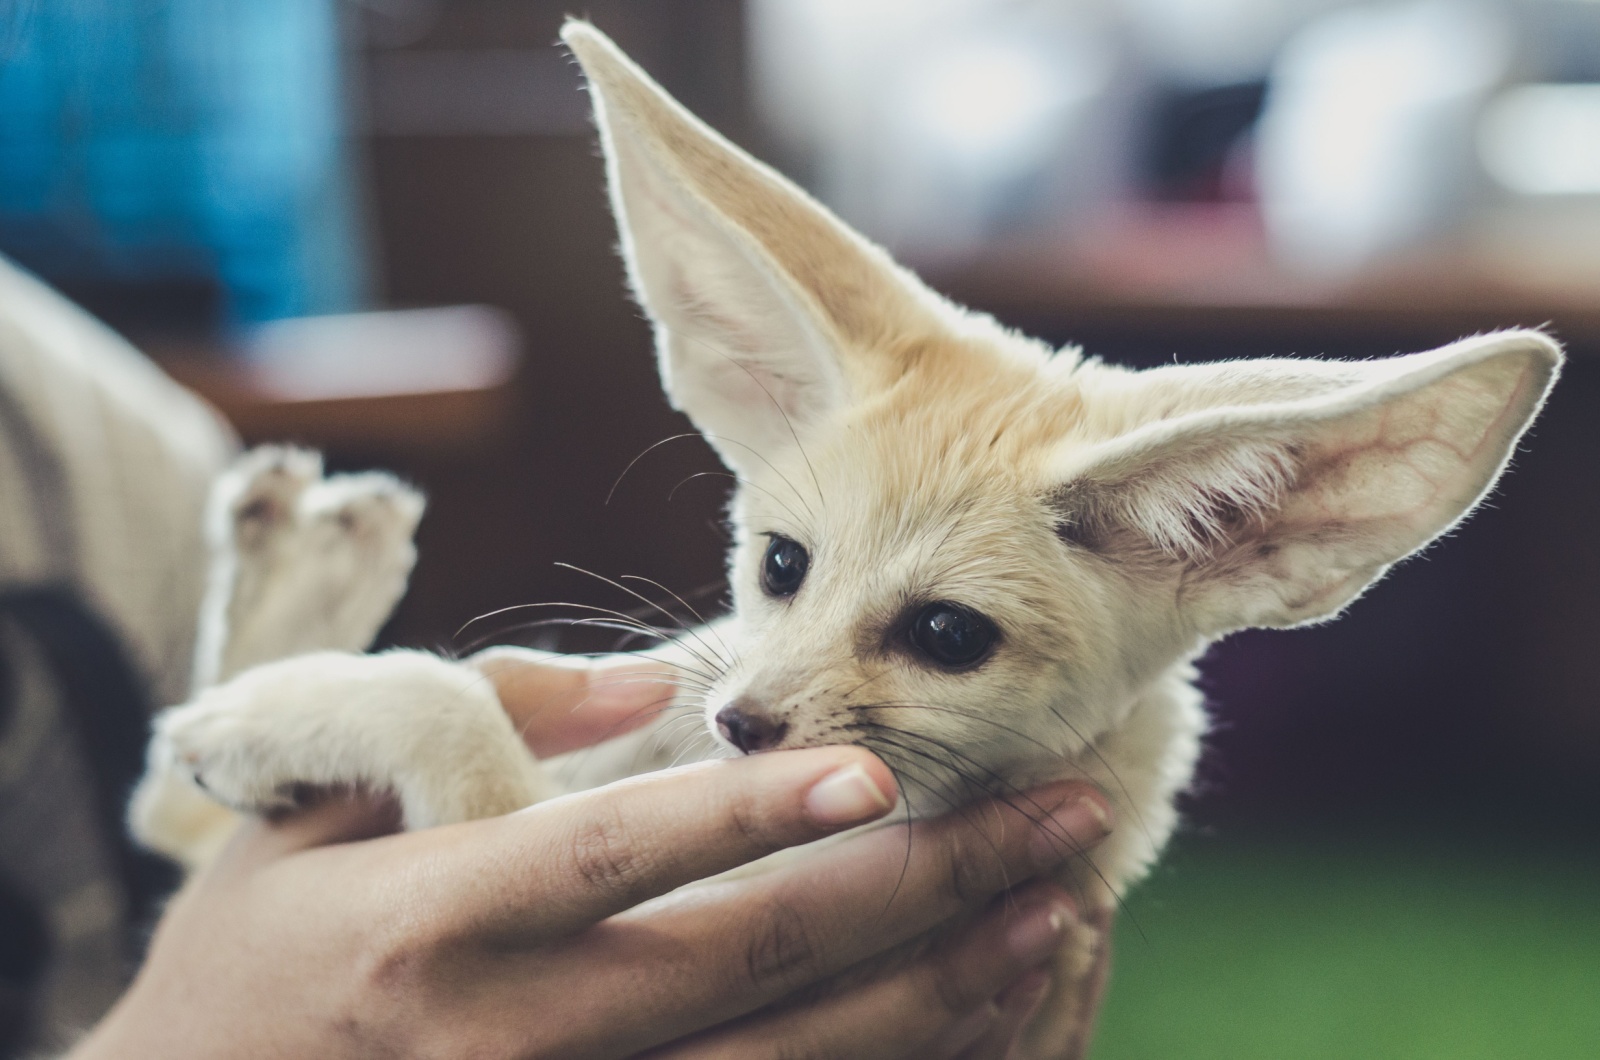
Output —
<point x="559" y="931"/>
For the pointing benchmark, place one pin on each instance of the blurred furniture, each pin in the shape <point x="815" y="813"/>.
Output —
<point x="1207" y="268"/>
<point x="431" y="380"/>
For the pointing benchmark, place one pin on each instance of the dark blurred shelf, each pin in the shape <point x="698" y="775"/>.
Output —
<point x="1209" y="272"/>
<point x="402" y="381"/>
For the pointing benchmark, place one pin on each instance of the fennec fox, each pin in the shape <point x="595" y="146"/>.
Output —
<point x="989" y="561"/>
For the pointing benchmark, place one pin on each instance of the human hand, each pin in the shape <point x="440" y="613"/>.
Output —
<point x="557" y="931"/>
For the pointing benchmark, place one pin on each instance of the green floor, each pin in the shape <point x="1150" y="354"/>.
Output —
<point x="1273" y="949"/>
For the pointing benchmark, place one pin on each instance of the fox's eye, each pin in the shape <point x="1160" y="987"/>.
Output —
<point x="952" y="635"/>
<point x="784" y="567"/>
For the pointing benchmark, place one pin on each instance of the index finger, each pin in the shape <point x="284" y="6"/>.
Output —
<point x="560" y="703"/>
<point x="560" y="866"/>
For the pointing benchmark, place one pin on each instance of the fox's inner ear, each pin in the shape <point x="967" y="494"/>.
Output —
<point x="761" y="299"/>
<point x="1307" y="479"/>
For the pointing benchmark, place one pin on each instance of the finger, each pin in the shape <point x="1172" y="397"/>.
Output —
<point x="1014" y="1008"/>
<point x="563" y="702"/>
<point x="938" y="1006"/>
<point x="561" y="866"/>
<point x="334" y="817"/>
<point x="784" y="929"/>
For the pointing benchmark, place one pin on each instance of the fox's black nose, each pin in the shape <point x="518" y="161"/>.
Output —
<point x="748" y="727"/>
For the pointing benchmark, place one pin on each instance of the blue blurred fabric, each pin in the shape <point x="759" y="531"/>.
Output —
<point x="180" y="140"/>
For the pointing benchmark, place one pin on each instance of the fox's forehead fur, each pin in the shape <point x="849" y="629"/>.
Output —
<point x="1108" y="523"/>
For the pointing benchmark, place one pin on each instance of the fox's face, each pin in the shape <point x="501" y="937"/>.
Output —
<point x="902" y="581"/>
<point x="969" y="552"/>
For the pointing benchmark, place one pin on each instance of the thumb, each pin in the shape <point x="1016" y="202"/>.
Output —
<point x="334" y="817"/>
<point x="563" y="702"/>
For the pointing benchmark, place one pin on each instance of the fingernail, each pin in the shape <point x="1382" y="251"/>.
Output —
<point x="846" y="796"/>
<point x="1079" y="823"/>
<point x="1036" y="933"/>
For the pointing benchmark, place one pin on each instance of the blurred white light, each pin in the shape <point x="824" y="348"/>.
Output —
<point x="1213" y="42"/>
<point x="934" y="124"/>
<point x="1369" y="110"/>
<point x="1544" y="139"/>
<point x="997" y="106"/>
<point x="399" y="351"/>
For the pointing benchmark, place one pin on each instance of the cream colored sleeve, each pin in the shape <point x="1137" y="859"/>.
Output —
<point x="105" y="464"/>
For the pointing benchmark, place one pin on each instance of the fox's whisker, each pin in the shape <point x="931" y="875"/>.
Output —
<point x="707" y="626"/>
<point x="960" y="807"/>
<point x="976" y="716"/>
<point x="1093" y="748"/>
<point x="620" y="616"/>
<point x="777" y="405"/>
<point x="668" y="615"/>
<point x="742" y="482"/>
<point x="652" y="447"/>
<point x="632" y="629"/>
<point x="1008" y="794"/>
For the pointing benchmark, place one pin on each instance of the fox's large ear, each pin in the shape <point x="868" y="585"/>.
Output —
<point x="1305" y="480"/>
<point x="766" y="306"/>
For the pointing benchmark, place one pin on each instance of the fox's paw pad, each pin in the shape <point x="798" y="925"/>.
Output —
<point x="371" y="510"/>
<point x="257" y="497"/>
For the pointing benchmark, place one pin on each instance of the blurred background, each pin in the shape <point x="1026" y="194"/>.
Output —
<point x="379" y="227"/>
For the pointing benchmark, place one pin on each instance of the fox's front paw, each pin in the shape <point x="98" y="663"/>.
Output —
<point x="301" y="562"/>
<point x="356" y="530"/>
<point x="425" y="729"/>
<point x="254" y="501"/>
<point x="228" y="750"/>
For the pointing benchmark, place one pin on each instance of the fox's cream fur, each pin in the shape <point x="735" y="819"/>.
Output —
<point x="1108" y="523"/>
